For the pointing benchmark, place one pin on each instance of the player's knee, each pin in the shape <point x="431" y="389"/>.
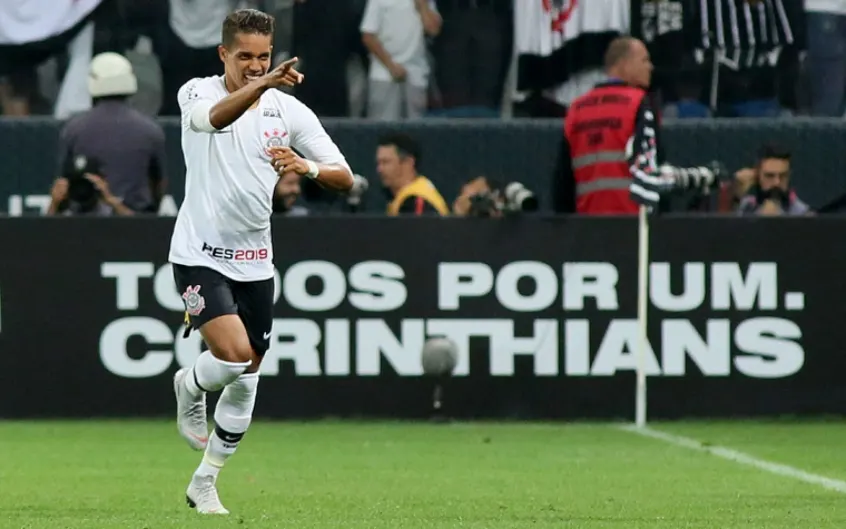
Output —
<point x="227" y="339"/>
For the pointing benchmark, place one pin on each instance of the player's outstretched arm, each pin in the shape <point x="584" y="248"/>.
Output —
<point x="233" y="106"/>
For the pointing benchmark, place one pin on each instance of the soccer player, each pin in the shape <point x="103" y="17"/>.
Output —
<point x="237" y="137"/>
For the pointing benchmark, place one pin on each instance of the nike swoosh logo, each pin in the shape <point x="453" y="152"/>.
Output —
<point x="266" y="335"/>
<point x="197" y="437"/>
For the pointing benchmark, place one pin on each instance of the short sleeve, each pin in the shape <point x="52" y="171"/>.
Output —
<point x="195" y="96"/>
<point x="370" y="22"/>
<point x="310" y="138"/>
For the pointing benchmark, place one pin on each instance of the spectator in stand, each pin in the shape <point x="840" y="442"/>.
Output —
<point x="122" y="148"/>
<point x="826" y="59"/>
<point x="771" y="193"/>
<point x="472" y="54"/>
<point x="394" y="31"/>
<point x="286" y="195"/>
<point x="410" y="192"/>
<point x="187" y="44"/>
<point x="35" y="31"/>
<point x="322" y="30"/>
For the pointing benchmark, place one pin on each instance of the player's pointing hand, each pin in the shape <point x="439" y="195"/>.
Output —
<point x="284" y="75"/>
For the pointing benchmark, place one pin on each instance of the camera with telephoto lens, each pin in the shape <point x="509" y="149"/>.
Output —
<point x="702" y="179"/>
<point x="519" y="199"/>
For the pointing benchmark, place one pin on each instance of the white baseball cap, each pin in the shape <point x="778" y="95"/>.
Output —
<point x="111" y="75"/>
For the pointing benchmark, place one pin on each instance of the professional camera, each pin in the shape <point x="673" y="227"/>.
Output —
<point x="701" y="179"/>
<point x="514" y="197"/>
<point x="485" y="204"/>
<point x="81" y="191"/>
<point x="693" y="187"/>
<point x="519" y="199"/>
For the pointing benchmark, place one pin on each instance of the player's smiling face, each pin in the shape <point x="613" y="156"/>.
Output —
<point x="246" y="59"/>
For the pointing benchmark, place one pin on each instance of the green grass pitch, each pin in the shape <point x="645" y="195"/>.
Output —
<point x="346" y="475"/>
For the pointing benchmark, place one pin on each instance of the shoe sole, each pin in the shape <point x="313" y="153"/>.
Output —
<point x="193" y="443"/>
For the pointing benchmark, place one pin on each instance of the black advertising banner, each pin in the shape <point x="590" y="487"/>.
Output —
<point x="744" y="317"/>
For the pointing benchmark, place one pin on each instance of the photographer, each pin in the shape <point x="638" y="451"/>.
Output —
<point x="770" y="193"/>
<point x="128" y="147"/>
<point x="286" y="194"/>
<point x="609" y="161"/>
<point x="81" y="191"/>
<point x="410" y="192"/>
<point x="479" y="197"/>
<point x="484" y="197"/>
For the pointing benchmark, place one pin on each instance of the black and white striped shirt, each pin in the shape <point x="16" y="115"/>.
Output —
<point x="750" y="32"/>
<point x="745" y="33"/>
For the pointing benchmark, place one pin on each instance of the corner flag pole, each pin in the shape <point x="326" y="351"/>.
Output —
<point x="642" y="305"/>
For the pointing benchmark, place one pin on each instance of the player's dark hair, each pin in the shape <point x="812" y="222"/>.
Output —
<point x="404" y="144"/>
<point x="618" y="50"/>
<point x="770" y="150"/>
<point x="247" y="21"/>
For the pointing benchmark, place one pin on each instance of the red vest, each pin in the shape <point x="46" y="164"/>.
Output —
<point x="598" y="127"/>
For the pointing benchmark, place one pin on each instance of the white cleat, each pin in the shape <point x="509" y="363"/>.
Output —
<point x="191" y="419"/>
<point x="202" y="495"/>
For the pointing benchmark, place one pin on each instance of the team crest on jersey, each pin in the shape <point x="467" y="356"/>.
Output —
<point x="273" y="138"/>
<point x="194" y="302"/>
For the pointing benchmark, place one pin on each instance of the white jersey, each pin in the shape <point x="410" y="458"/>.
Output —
<point x="224" y="220"/>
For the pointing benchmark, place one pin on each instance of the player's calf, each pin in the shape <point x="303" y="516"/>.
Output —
<point x="229" y="358"/>
<point x="232" y="416"/>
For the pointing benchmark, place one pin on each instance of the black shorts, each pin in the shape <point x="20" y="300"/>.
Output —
<point x="208" y="294"/>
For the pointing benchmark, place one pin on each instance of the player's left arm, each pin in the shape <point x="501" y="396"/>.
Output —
<point x="323" y="160"/>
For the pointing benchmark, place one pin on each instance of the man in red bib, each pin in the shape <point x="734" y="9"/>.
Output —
<point x="609" y="160"/>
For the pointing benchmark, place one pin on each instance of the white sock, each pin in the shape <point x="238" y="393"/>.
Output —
<point x="211" y="374"/>
<point x="232" y="417"/>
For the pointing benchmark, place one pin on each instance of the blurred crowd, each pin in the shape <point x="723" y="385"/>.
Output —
<point x="396" y="59"/>
<point x="400" y="59"/>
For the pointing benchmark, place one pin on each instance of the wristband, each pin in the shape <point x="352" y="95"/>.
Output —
<point x="313" y="170"/>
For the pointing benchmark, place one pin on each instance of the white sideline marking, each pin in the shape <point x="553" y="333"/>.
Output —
<point x="741" y="458"/>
